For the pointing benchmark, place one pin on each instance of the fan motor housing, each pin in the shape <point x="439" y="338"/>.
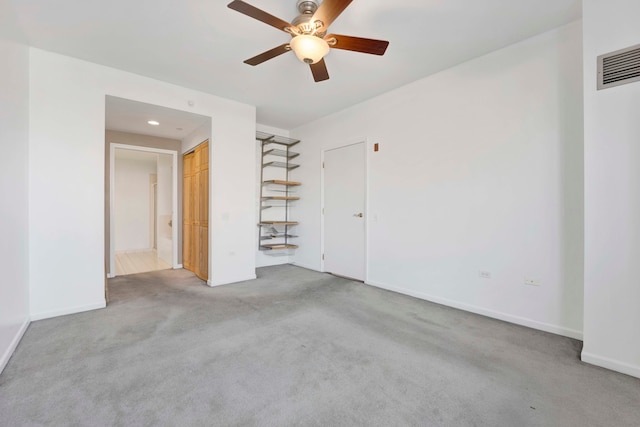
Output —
<point x="303" y="21"/>
<point x="307" y="6"/>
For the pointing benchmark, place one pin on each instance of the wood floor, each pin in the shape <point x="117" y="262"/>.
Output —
<point x="138" y="262"/>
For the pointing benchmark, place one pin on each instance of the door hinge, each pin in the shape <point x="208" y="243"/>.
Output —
<point x="323" y="257"/>
<point x="322" y="165"/>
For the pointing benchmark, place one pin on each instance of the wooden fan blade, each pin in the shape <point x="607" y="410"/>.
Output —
<point x="319" y="71"/>
<point x="265" y="56"/>
<point x="260" y="15"/>
<point x="329" y="10"/>
<point x="357" y="44"/>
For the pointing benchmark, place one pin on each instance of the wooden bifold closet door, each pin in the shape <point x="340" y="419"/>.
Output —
<point x="195" y="211"/>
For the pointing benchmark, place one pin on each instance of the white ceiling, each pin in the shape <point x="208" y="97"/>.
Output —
<point x="132" y="116"/>
<point x="201" y="44"/>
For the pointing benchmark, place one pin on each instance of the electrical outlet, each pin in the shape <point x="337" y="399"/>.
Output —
<point x="531" y="282"/>
<point x="484" y="274"/>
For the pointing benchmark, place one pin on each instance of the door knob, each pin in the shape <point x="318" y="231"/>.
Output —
<point x="359" y="215"/>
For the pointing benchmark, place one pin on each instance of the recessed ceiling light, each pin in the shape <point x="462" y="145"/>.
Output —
<point x="153" y="123"/>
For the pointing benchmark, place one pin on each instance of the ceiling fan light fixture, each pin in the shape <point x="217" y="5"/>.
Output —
<point x="309" y="39"/>
<point x="309" y="49"/>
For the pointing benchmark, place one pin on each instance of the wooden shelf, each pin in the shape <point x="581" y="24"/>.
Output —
<point x="280" y="182"/>
<point x="278" y="223"/>
<point x="280" y="198"/>
<point x="278" y="246"/>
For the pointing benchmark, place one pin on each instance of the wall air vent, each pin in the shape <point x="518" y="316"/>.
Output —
<point x="619" y="67"/>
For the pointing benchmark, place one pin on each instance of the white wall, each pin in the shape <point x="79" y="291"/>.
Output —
<point x="479" y="168"/>
<point x="197" y="137"/>
<point x="14" y="213"/>
<point x="265" y="259"/>
<point x="202" y="134"/>
<point x="612" y="194"/>
<point x="67" y="115"/>
<point x="132" y="200"/>
<point x="165" y="208"/>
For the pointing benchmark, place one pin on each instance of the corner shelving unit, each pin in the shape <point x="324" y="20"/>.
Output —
<point x="276" y="193"/>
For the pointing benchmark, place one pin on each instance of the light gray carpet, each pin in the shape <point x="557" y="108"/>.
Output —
<point x="297" y="347"/>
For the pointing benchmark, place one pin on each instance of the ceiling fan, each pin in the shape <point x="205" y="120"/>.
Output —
<point x="310" y="40"/>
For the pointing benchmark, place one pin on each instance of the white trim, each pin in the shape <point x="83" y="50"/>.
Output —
<point x="177" y="267"/>
<point x="110" y="276"/>
<point x="346" y="143"/>
<point x="523" y="321"/>
<point x="174" y="211"/>
<point x="13" y="345"/>
<point x="308" y="267"/>
<point x="614" y="365"/>
<point x="174" y="216"/>
<point x="141" y="148"/>
<point x="321" y="254"/>
<point x="230" y="281"/>
<point x="70" y="310"/>
<point x="210" y="270"/>
<point x="336" y="146"/>
<point x="112" y="226"/>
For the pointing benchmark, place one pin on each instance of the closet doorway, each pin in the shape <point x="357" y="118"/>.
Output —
<point x="195" y="211"/>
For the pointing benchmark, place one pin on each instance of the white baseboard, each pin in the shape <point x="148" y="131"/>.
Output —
<point x="110" y="276"/>
<point x="13" y="345"/>
<point x="177" y="267"/>
<point x="272" y="262"/>
<point x="614" y="365"/>
<point x="69" y="310"/>
<point x="308" y="267"/>
<point x="229" y="281"/>
<point x="523" y="321"/>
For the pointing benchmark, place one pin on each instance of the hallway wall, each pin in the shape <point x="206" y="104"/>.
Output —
<point x="164" y="201"/>
<point x="132" y="199"/>
<point x="14" y="190"/>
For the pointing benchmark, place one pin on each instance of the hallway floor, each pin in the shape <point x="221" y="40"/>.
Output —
<point x="138" y="262"/>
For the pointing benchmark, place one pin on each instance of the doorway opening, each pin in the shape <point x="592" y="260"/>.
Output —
<point x="143" y="203"/>
<point x="138" y="129"/>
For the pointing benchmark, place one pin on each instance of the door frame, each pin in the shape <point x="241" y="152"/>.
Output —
<point x="174" y="202"/>
<point x="367" y="149"/>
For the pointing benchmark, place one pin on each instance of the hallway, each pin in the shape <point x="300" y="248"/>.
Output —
<point x="139" y="262"/>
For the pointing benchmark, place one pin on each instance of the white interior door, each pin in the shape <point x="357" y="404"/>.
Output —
<point x="344" y="211"/>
